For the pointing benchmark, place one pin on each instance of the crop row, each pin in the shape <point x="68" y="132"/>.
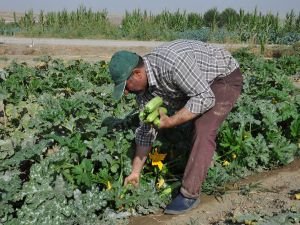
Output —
<point x="66" y="146"/>
<point x="228" y="25"/>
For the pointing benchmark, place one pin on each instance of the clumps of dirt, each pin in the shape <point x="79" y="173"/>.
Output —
<point x="268" y="195"/>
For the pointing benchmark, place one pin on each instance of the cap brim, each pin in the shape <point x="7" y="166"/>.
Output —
<point x="119" y="90"/>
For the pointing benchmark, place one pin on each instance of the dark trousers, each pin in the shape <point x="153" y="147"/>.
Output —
<point x="227" y="91"/>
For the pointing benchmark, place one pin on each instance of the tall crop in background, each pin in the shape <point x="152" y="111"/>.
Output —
<point x="289" y="21"/>
<point x="79" y="23"/>
<point x="228" y="19"/>
<point x="297" y="23"/>
<point x="227" y="25"/>
<point x="194" y="21"/>
<point x="27" y="22"/>
<point x="135" y="24"/>
<point x="211" y="18"/>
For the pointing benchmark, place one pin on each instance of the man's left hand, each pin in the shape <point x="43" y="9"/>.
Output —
<point x="165" y="121"/>
<point x="180" y="117"/>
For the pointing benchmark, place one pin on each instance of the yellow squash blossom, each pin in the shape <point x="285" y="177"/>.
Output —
<point x="108" y="186"/>
<point x="226" y="163"/>
<point x="157" y="159"/>
<point x="160" y="183"/>
<point x="233" y="156"/>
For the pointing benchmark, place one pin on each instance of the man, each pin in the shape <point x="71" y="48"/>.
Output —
<point x="201" y="82"/>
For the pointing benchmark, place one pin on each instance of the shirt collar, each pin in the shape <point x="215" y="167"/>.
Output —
<point x="152" y="82"/>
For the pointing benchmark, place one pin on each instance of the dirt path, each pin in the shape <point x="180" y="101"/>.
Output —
<point x="77" y="42"/>
<point x="30" y="49"/>
<point x="274" y="193"/>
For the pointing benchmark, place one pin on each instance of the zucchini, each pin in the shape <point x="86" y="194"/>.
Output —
<point x="150" y="114"/>
<point x="155" y="114"/>
<point x="151" y="117"/>
<point x="142" y="116"/>
<point x="156" y="122"/>
<point x="153" y="104"/>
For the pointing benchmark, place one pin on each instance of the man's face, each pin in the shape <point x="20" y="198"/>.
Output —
<point x="137" y="82"/>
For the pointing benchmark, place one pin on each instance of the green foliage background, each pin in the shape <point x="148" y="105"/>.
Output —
<point x="228" y="25"/>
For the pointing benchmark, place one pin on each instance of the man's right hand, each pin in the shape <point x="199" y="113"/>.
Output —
<point x="137" y="165"/>
<point x="133" y="178"/>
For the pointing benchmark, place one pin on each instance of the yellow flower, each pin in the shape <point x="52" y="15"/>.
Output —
<point x="226" y="163"/>
<point x="158" y="164"/>
<point x="157" y="159"/>
<point x="104" y="65"/>
<point x="160" y="182"/>
<point x="233" y="156"/>
<point x="108" y="186"/>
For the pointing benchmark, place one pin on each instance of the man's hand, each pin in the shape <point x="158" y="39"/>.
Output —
<point x="164" y="121"/>
<point x="133" y="178"/>
<point x="137" y="165"/>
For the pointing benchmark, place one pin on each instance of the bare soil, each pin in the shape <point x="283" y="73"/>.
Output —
<point x="25" y="52"/>
<point x="29" y="50"/>
<point x="269" y="192"/>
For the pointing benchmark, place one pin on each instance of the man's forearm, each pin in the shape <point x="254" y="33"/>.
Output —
<point x="140" y="157"/>
<point x="182" y="116"/>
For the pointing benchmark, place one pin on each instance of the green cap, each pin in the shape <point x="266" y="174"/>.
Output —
<point x="120" y="67"/>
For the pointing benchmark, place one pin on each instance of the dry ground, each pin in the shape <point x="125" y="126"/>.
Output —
<point x="269" y="192"/>
<point x="24" y="53"/>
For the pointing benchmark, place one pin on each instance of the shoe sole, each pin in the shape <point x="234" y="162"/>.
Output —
<point x="174" y="212"/>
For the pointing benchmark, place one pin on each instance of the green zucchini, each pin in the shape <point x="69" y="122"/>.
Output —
<point x="153" y="104"/>
<point x="142" y="116"/>
<point x="156" y="122"/>
<point x="155" y="114"/>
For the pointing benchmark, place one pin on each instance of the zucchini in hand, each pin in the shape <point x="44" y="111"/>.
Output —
<point x="150" y="114"/>
<point x="153" y="104"/>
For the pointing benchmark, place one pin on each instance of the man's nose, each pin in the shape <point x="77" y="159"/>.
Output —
<point x="126" y="91"/>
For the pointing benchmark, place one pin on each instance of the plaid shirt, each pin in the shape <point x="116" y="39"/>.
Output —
<point x="181" y="72"/>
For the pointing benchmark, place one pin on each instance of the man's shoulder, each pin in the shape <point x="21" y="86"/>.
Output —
<point x="180" y="46"/>
<point x="168" y="49"/>
<point x="161" y="55"/>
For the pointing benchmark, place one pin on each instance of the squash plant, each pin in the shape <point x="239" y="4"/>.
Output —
<point x="66" y="146"/>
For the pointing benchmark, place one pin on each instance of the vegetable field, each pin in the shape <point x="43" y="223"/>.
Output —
<point x="66" y="146"/>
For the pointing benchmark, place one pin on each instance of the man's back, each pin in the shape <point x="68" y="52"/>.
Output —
<point x="212" y="61"/>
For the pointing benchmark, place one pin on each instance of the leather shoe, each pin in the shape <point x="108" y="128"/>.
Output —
<point x="181" y="204"/>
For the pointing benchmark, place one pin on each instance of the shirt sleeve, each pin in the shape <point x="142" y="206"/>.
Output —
<point x="188" y="78"/>
<point x="145" y="134"/>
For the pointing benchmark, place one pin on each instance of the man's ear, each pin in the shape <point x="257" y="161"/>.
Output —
<point x="137" y="72"/>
